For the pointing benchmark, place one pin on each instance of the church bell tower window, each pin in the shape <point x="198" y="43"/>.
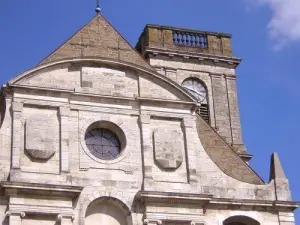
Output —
<point x="199" y="91"/>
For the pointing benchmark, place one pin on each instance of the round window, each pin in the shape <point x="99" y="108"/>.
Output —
<point x="103" y="143"/>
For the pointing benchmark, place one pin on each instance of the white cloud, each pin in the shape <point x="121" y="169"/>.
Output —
<point x="284" y="26"/>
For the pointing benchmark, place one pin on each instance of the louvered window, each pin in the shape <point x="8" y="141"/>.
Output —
<point x="204" y="112"/>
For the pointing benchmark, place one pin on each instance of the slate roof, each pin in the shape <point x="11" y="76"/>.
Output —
<point x="98" y="39"/>
<point x="224" y="156"/>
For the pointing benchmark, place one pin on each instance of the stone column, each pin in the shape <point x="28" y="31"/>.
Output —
<point x="64" y="113"/>
<point x="15" y="217"/>
<point x="17" y="108"/>
<point x="65" y="219"/>
<point x="152" y="222"/>
<point x="147" y="146"/>
<point x="189" y="129"/>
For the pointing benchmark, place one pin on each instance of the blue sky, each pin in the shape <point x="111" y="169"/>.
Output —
<point x="266" y="34"/>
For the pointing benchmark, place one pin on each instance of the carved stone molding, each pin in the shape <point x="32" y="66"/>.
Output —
<point x="168" y="148"/>
<point x="152" y="222"/>
<point x="64" y="111"/>
<point x="40" y="141"/>
<point x="15" y="213"/>
<point x="197" y="223"/>
<point x="17" y="107"/>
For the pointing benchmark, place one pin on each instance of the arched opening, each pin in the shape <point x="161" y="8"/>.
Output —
<point x="240" y="220"/>
<point x="107" y="211"/>
<point x="198" y="89"/>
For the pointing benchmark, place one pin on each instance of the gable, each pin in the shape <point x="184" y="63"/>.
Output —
<point x="98" y="39"/>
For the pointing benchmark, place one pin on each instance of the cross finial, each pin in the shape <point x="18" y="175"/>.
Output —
<point x="98" y="10"/>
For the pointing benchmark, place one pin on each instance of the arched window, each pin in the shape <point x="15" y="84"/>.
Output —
<point x="198" y="89"/>
<point x="240" y="220"/>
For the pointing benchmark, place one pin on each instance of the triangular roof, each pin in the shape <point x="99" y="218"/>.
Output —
<point x="99" y="39"/>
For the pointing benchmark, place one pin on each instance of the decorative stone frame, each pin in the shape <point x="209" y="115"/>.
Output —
<point x="110" y="126"/>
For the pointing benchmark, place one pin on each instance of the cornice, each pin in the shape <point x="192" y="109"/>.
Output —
<point x="231" y="61"/>
<point x="173" y="198"/>
<point x="22" y="188"/>
<point x="204" y="199"/>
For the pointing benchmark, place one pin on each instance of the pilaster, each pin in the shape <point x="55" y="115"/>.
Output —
<point x="17" y="109"/>
<point x="221" y="107"/>
<point x="189" y="128"/>
<point x="15" y="217"/>
<point x="64" y="113"/>
<point x="286" y="218"/>
<point x="234" y="114"/>
<point x="146" y="146"/>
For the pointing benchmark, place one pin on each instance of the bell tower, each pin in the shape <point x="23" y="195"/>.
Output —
<point x="203" y="63"/>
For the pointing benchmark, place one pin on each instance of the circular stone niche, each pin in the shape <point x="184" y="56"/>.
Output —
<point x="105" y="140"/>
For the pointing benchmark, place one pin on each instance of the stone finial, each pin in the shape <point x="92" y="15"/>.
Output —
<point x="276" y="170"/>
<point x="281" y="183"/>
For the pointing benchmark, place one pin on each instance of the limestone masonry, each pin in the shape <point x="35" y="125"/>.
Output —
<point x="102" y="133"/>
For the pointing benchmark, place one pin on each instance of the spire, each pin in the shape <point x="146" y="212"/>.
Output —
<point x="276" y="168"/>
<point x="98" y="9"/>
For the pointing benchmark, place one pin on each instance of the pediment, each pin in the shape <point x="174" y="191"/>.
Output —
<point x="102" y="77"/>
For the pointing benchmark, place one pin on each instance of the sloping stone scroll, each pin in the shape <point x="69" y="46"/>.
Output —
<point x="168" y="148"/>
<point x="39" y="142"/>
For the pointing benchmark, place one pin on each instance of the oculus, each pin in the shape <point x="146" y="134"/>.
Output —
<point x="103" y="143"/>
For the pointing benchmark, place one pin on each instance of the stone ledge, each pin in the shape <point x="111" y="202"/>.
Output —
<point x="232" y="61"/>
<point x="198" y="199"/>
<point x="173" y="198"/>
<point x="22" y="188"/>
<point x="256" y="203"/>
<point x="40" y="209"/>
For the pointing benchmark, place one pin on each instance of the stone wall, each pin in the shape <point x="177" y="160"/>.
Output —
<point x="164" y="153"/>
<point x="222" y="94"/>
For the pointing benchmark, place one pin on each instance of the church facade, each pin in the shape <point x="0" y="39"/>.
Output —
<point x="102" y="133"/>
